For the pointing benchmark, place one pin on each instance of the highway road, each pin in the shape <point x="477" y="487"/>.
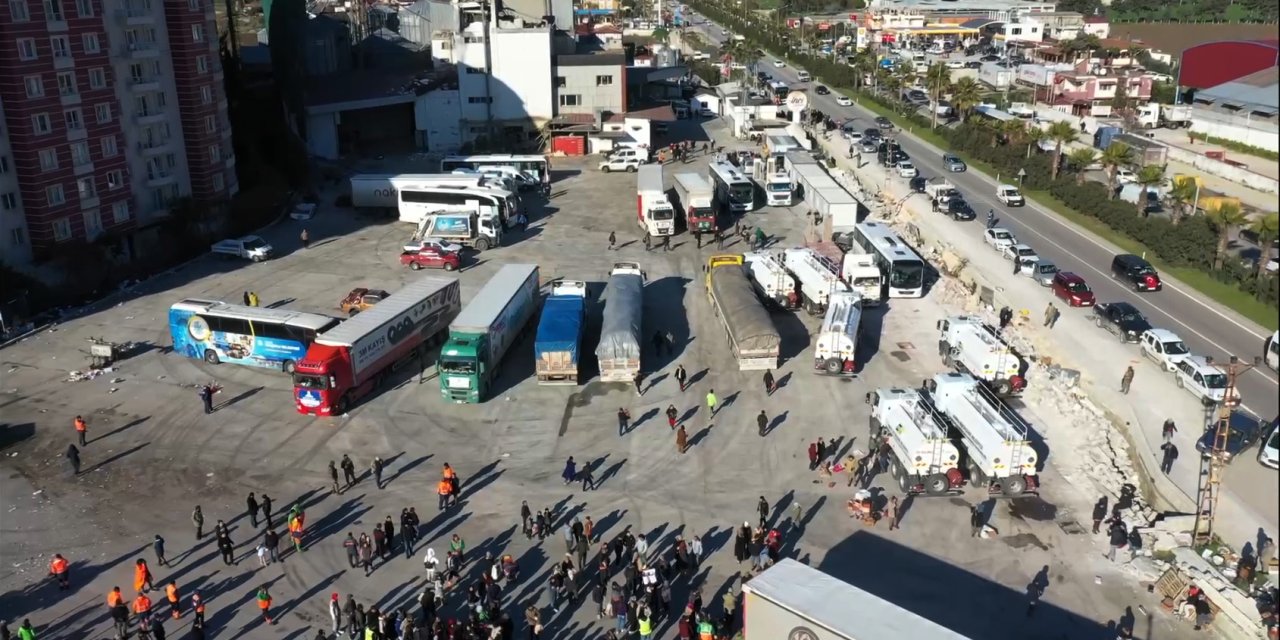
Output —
<point x="1205" y="329"/>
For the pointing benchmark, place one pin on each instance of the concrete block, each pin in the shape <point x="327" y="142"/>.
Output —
<point x="1176" y="524"/>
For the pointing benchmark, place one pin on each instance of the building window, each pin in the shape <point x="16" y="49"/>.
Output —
<point x="54" y="195"/>
<point x="210" y="124"/>
<point x="194" y="5"/>
<point x="72" y="119"/>
<point x="561" y="82"/>
<point x="475" y="71"/>
<point x="90" y="41"/>
<point x="4" y="164"/>
<point x="80" y="153"/>
<point x="61" y="46"/>
<point x="9" y="201"/>
<point x="53" y="11"/>
<point x="48" y="159"/>
<point x="18" y="10"/>
<point x="84" y="8"/>
<point x="27" y="49"/>
<point x="120" y="211"/>
<point x="35" y="86"/>
<point x="41" y="124"/>
<point x="197" y="33"/>
<point x="206" y="95"/>
<point x="215" y="153"/>
<point x="570" y="100"/>
<point x="67" y="83"/>
<point x="480" y="100"/>
<point x="17" y="236"/>
<point x="218" y="182"/>
<point x="604" y="81"/>
<point x="473" y="39"/>
<point x="62" y="229"/>
<point x="109" y="149"/>
<point x="97" y="78"/>
<point x="86" y="189"/>
<point x="202" y="64"/>
<point x="103" y="111"/>
<point x="93" y="223"/>
<point x="115" y="179"/>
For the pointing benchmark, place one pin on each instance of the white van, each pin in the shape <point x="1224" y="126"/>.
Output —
<point x="1204" y="381"/>
<point x="630" y="153"/>
<point x="1164" y="347"/>
<point x="804" y="76"/>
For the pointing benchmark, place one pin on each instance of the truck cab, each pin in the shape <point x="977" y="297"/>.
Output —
<point x="778" y="190"/>
<point x="860" y="272"/>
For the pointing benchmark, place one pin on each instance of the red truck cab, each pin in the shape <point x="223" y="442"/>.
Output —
<point x="321" y="381"/>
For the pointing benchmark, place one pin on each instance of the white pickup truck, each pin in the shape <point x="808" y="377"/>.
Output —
<point x="248" y="248"/>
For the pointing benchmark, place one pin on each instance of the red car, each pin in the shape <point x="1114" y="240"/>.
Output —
<point x="1072" y="288"/>
<point x="431" y="259"/>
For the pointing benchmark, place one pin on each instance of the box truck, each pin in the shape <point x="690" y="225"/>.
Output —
<point x="654" y="213"/>
<point x="484" y="331"/>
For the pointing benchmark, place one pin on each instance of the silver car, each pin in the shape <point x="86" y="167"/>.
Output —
<point x="1042" y="271"/>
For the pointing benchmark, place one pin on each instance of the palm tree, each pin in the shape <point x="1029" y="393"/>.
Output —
<point x="965" y="94"/>
<point x="1061" y="133"/>
<point x="1224" y="217"/>
<point x="1034" y="136"/>
<point x="1181" y="198"/>
<point x="1267" y="228"/>
<point x="1147" y="177"/>
<point x="937" y="79"/>
<point x="1082" y="159"/>
<point x="1113" y="157"/>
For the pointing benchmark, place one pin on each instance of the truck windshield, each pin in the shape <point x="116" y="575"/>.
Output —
<point x="779" y="187"/>
<point x="701" y="212"/>
<point x="662" y="213"/>
<point x="310" y="382"/>
<point x="866" y="281"/>
<point x="256" y="243"/>
<point x="457" y="365"/>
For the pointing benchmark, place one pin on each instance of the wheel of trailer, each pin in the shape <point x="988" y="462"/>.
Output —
<point x="833" y="365"/>
<point x="901" y="476"/>
<point x="975" y="475"/>
<point x="1014" y="485"/>
<point x="482" y="244"/>
<point x="211" y="357"/>
<point x="415" y="265"/>
<point x="289" y="367"/>
<point x="936" y="484"/>
<point x="631" y="169"/>
<point x="1003" y="387"/>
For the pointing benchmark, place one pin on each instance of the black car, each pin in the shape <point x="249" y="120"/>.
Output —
<point x="989" y="58"/>
<point x="958" y="209"/>
<point x="1242" y="432"/>
<point x="972" y="64"/>
<point x="884" y="122"/>
<point x="763" y="77"/>
<point x="871" y="133"/>
<point x="917" y="184"/>
<point x="1136" y="272"/>
<point x="821" y="90"/>
<point x="1122" y="319"/>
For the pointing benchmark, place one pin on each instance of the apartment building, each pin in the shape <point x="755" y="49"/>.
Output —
<point x="112" y="110"/>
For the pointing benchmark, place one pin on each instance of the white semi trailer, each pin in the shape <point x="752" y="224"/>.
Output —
<point x="835" y="348"/>
<point x="817" y="280"/>
<point x="968" y="345"/>
<point x="771" y="281"/>
<point x="995" y="439"/>
<point x="924" y="458"/>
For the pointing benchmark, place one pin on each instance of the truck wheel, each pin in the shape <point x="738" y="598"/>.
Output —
<point x="415" y="266"/>
<point x="833" y="366"/>
<point x="482" y="244"/>
<point x="975" y="476"/>
<point x="448" y="266"/>
<point x="1014" y="485"/>
<point x="1003" y="387"/>
<point x="936" y="484"/>
<point x="211" y="357"/>
<point x="289" y="367"/>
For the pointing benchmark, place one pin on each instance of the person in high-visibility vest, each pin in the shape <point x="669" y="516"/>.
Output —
<point x="61" y="569"/>
<point x="264" y="603"/>
<point x="114" y="598"/>
<point x="82" y="429"/>
<point x="646" y="625"/>
<point x="142" y="576"/>
<point x="175" y="603"/>
<point x="142" y="606"/>
<point x="295" y="533"/>
<point x="444" y="488"/>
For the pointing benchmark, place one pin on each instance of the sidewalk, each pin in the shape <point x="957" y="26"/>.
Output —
<point x="1077" y="344"/>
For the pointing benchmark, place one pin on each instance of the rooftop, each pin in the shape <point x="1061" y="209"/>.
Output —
<point x="349" y="88"/>
<point x="1258" y="91"/>
<point x="599" y="58"/>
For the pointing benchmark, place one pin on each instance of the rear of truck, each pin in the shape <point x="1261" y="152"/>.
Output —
<point x="559" y="336"/>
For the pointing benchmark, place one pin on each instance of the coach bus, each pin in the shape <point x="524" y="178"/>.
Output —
<point x="534" y="166"/>
<point x="903" y="269"/>
<point x="418" y="201"/>
<point x="218" y="332"/>
<point x="732" y="187"/>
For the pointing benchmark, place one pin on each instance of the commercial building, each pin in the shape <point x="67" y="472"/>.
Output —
<point x="1243" y="110"/>
<point x="1214" y="63"/>
<point x="111" y="114"/>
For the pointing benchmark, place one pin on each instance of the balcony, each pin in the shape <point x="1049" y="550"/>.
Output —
<point x="153" y="147"/>
<point x="135" y="17"/>
<point x="83" y="168"/>
<point x="140" y="50"/>
<point x="161" y="178"/>
<point x="145" y="85"/>
<point x="150" y="116"/>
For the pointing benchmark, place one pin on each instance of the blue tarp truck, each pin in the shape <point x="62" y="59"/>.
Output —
<point x="559" y="338"/>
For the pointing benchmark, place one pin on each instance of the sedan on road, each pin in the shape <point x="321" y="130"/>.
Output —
<point x="999" y="238"/>
<point x="972" y="64"/>
<point x="884" y="122"/>
<point x="989" y="58"/>
<point x="1242" y="432"/>
<point x="821" y="90"/>
<point x="1042" y="271"/>
<point x="1072" y="288"/>
<point x="844" y="101"/>
<point x="779" y="64"/>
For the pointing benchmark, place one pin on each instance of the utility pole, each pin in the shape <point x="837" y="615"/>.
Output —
<point x="1213" y="465"/>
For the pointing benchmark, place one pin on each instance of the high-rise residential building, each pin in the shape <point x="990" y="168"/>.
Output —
<point x="112" y="110"/>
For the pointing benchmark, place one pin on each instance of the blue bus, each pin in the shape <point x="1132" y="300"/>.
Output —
<point x="218" y="332"/>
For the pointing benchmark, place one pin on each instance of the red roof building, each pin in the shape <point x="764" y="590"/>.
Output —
<point x="1214" y="63"/>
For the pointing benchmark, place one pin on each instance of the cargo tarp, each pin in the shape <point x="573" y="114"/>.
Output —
<point x="623" y="308"/>
<point x="748" y="321"/>
<point x="560" y="326"/>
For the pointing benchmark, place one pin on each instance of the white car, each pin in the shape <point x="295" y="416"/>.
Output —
<point x="844" y="101"/>
<point x="852" y="136"/>
<point x="1164" y="347"/>
<point x="303" y="211"/>
<point x="955" y="64"/>
<point x="906" y="169"/>
<point x="779" y="64"/>
<point x="1020" y="252"/>
<point x="999" y="238"/>
<point x="1269" y="450"/>
<point x="620" y="164"/>
<point x="1126" y="176"/>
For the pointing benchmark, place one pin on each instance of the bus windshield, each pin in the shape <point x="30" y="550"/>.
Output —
<point x="741" y="193"/>
<point x="906" y="274"/>
<point x="457" y="365"/>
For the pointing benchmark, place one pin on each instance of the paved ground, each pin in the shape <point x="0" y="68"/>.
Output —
<point x="153" y="455"/>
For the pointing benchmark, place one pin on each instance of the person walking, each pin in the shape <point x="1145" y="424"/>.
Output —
<point x="271" y="540"/>
<point x="251" y="505"/>
<point x="175" y="600"/>
<point x="60" y="569"/>
<point x="891" y="513"/>
<point x="197" y="518"/>
<point x="682" y="439"/>
<point x="711" y="402"/>
<point x="1168" y="430"/>
<point x="570" y="472"/>
<point x="389" y="531"/>
<point x="266" y="510"/>
<point x="1006" y="316"/>
<point x="588" y="479"/>
<point x="305" y="238"/>
<point x="376" y="468"/>
<point x="762" y="509"/>
<point x="672" y="415"/>
<point x="770" y="385"/>
<point x="1051" y="314"/>
<point x="157" y="545"/>
<point x="333" y="474"/>
<point x="624" y="421"/>
<point x="366" y="554"/>
<point x="264" y="599"/>
<point x="1168" y="455"/>
<point x="348" y="471"/>
<point x="349" y="545"/>
<point x="813" y="455"/>
<point x="206" y="397"/>
<point x="443" y="490"/>
<point x="666" y="243"/>
<point x="1118" y="537"/>
<point x="1126" y="380"/>
<point x="975" y="520"/>
<point x="762" y="422"/>
<point x="25" y="631"/>
<point x="613" y="240"/>
<point x="73" y="457"/>
<point x="142" y="576"/>
<point x="335" y="615"/>
<point x="680" y="376"/>
<point x="526" y="520"/>
<point x="82" y="429"/>
<point x="227" y="549"/>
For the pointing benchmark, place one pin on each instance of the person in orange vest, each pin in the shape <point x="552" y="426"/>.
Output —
<point x="114" y="598"/>
<point x="444" y="489"/>
<point x="142" y="606"/>
<point x="82" y="429"/>
<point x="61" y="569"/>
<point x="197" y="605"/>
<point x="119" y="612"/>
<point x="452" y="477"/>
<point x="142" y="576"/>
<point x="175" y="603"/>
<point x="295" y="533"/>
<point x="264" y="603"/>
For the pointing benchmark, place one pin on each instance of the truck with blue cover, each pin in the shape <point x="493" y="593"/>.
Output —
<point x="485" y="330"/>
<point x="559" y="337"/>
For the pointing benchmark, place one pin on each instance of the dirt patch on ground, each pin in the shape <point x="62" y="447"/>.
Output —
<point x="1174" y="37"/>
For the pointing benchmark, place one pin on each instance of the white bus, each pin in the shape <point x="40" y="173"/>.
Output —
<point x="416" y="202"/>
<point x="903" y="269"/>
<point x="218" y="332"/>
<point x="535" y="166"/>
<point x="732" y="187"/>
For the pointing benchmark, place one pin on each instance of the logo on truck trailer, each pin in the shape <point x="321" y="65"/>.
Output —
<point x="423" y="314"/>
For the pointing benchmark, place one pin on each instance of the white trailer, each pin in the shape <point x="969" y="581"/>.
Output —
<point x="818" y="279"/>
<point x="924" y="457"/>
<point x="377" y="191"/>
<point x="995" y="440"/>
<point x="792" y="160"/>
<point x="968" y="345"/>
<point x="770" y="279"/>
<point x="654" y="212"/>
<point x="835" y="348"/>
<point x="822" y="194"/>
